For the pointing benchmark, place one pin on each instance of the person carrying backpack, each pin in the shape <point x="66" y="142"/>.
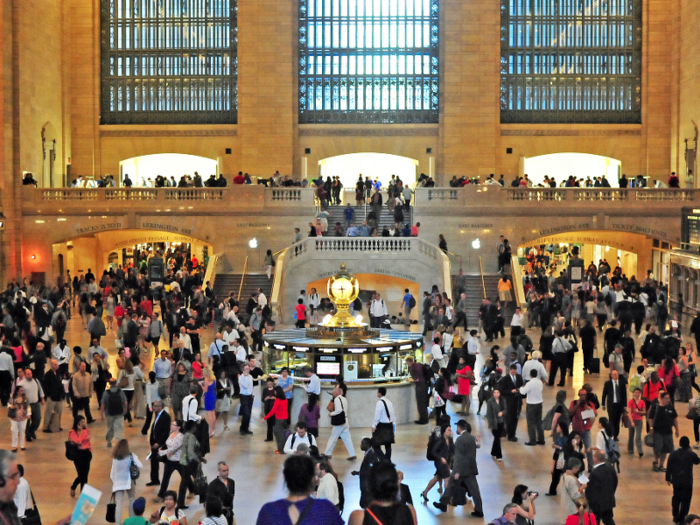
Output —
<point x="606" y="442"/>
<point x="113" y="406"/>
<point x="409" y="303"/>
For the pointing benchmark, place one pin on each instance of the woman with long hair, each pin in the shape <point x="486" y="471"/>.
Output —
<point x="310" y="413"/>
<point x="268" y="401"/>
<point x="573" y="489"/>
<point x="280" y="411"/>
<point x="668" y="373"/>
<point x="495" y="415"/>
<point x="19" y="412"/>
<point x="525" y="502"/>
<point x="125" y="381"/>
<point x="223" y="397"/>
<point x="80" y="435"/>
<point x="443" y="454"/>
<point x="122" y="484"/>
<point x="210" y="398"/>
<point x="385" y="507"/>
<point x="180" y="387"/>
<point x="171" y="455"/>
<point x="583" y="514"/>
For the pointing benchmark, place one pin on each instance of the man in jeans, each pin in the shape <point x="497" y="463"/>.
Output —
<point x="533" y="390"/>
<point x="245" y="381"/>
<point x="113" y="407"/>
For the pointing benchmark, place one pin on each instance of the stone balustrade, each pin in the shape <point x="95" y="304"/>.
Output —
<point x="251" y="198"/>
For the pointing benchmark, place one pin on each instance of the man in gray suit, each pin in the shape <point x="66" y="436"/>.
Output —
<point x="464" y="469"/>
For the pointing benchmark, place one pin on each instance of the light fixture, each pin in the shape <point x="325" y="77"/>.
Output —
<point x="40" y="221"/>
<point x="476" y="244"/>
<point x="326" y="319"/>
<point x="253" y="243"/>
<point x="33" y="256"/>
<point x="61" y="219"/>
<point x="358" y="318"/>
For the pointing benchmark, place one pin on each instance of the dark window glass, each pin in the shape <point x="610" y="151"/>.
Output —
<point x="368" y="61"/>
<point x="571" y="61"/>
<point x="169" y="61"/>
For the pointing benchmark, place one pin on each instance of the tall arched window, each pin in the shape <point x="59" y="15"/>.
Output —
<point x="169" y="62"/>
<point x="368" y="61"/>
<point x="571" y="61"/>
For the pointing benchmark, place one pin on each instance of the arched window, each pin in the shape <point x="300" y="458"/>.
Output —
<point x="565" y="61"/>
<point x="368" y="61"/>
<point x="170" y="62"/>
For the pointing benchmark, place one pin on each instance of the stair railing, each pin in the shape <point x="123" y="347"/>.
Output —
<point x="517" y="278"/>
<point x="481" y="271"/>
<point x="457" y="257"/>
<point x="245" y="269"/>
<point x="210" y="275"/>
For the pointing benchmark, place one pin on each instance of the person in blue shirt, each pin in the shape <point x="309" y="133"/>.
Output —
<point x="349" y="215"/>
<point x="406" y="303"/>
<point x="377" y="184"/>
<point x="352" y="230"/>
<point x="287" y="384"/>
<point x="299" y="507"/>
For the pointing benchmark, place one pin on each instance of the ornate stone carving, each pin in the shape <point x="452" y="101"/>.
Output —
<point x="571" y="132"/>
<point x="431" y="131"/>
<point x="169" y="133"/>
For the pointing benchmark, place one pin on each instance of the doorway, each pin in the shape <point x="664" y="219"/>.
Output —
<point x="373" y="165"/>
<point x="580" y="165"/>
<point x="143" y="170"/>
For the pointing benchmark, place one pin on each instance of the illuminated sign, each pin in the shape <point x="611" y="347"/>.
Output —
<point x="326" y="358"/>
<point x="301" y="348"/>
<point x="280" y="347"/>
<point x="357" y="350"/>
<point x="405" y="347"/>
<point x="384" y="348"/>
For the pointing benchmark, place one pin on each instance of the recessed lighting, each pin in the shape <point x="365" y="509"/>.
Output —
<point x="62" y="219"/>
<point x="40" y="221"/>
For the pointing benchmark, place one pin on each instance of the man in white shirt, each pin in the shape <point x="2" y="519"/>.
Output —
<point x="533" y="415"/>
<point x="437" y="353"/>
<point x="327" y="485"/>
<point x="230" y="335"/>
<point x="185" y="338"/>
<point x="314" y="302"/>
<point x="516" y="323"/>
<point x="216" y="348"/>
<point x="535" y="364"/>
<point x="383" y="425"/>
<point x="241" y="353"/>
<point x="62" y="354"/>
<point x="314" y="386"/>
<point x="96" y="348"/>
<point x="378" y="311"/>
<point x="473" y="348"/>
<point x="262" y="300"/>
<point x="245" y="383"/>
<point x="23" y="494"/>
<point x="190" y="406"/>
<point x="339" y="421"/>
<point x="300" y="436"/>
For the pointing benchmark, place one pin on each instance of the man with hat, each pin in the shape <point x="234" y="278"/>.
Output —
<point x="139" y="507"/>
<point x="464" y="469"/>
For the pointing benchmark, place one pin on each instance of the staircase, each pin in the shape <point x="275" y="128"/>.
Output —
<point x="225" y="283"/>
<point x="386" y="218"/>
<point x="475" y="296"/>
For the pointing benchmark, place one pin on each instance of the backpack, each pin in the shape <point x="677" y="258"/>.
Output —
<point x="115" y="407"/>
<point x="432" y="440"/>
<point x="635" y="381"/>
<point x="612" y="449"/>
<point x="341" y="497"/>
<point x="412" y="302"/>
<point x="427" y="373"/>
<point x="60" y="323"/>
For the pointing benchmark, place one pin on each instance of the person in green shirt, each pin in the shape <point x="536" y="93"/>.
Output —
<point x="139" y="509"/>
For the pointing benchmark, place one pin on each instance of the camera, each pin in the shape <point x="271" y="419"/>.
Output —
<point x="536" y="494"/>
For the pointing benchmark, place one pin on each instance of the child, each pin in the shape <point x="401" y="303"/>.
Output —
<point x="637" y="380"/>
<point x="66" y="387"/>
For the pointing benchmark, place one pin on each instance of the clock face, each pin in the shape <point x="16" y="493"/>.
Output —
<point x="342" y="289"/>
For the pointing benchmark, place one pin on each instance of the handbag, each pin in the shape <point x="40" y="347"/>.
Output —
<point x="111" y="516"/>
<point x="134" y="471"/>
<point x="561" y="462"/>
<point x="31" y="515"/>
<point x="626" y="419"/>
<point x="71" y="450"/>
<point x="693" y="413"/>
<point x="437" y="400"/>
<point x="200" y="483"/>
<point x="12" y="412"/>
<point x="649" y="440"/>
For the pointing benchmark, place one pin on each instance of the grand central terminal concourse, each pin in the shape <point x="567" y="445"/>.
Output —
<point x="381" y="262"/>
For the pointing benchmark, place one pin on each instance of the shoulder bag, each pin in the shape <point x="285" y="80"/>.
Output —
<point x="71" y="450"/>
<point x="339" y="419"/>
<point x="384" y="433"/>
<point x="31" y="515"/>
<point x="134" y="471"/>
<point x="111" y="516"/>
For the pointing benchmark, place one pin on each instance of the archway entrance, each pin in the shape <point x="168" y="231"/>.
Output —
<point x="374" y="165"/>
<point x="580" y="165"/>
<point x="631" y="251"/>
<point x="109" y="250"/>
<point x="146" y="168"/>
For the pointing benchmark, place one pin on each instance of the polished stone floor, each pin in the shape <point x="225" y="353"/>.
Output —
<point x="642" y="496"/>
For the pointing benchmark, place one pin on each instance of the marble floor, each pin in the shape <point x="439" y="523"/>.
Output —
<point x="642" y="495"/>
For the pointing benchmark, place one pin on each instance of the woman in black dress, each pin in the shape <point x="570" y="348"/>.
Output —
<point x="385" y="508"/>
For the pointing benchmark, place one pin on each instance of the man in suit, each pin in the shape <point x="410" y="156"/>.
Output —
<point x="368" y="461"/>
<point x="487" y="314"/>
<point x="440" y="319"/>
<point x="679" y="474"/>
<point x="615" y="393"/>
<point x="159" y="433"/>
<point x="601" y="488"/>
<point x="464" y="469"/>
<point x="510" y="390"/>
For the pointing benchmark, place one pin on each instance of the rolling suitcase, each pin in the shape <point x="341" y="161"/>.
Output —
<point x="594" y="365"/>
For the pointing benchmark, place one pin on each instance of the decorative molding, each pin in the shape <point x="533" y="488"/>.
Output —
<point x="169" y="133"/>
<point x="384" y="132"/>
<point x="571" y="132"/>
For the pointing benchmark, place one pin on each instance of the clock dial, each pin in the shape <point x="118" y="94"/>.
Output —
<point x="342" y="289"/>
